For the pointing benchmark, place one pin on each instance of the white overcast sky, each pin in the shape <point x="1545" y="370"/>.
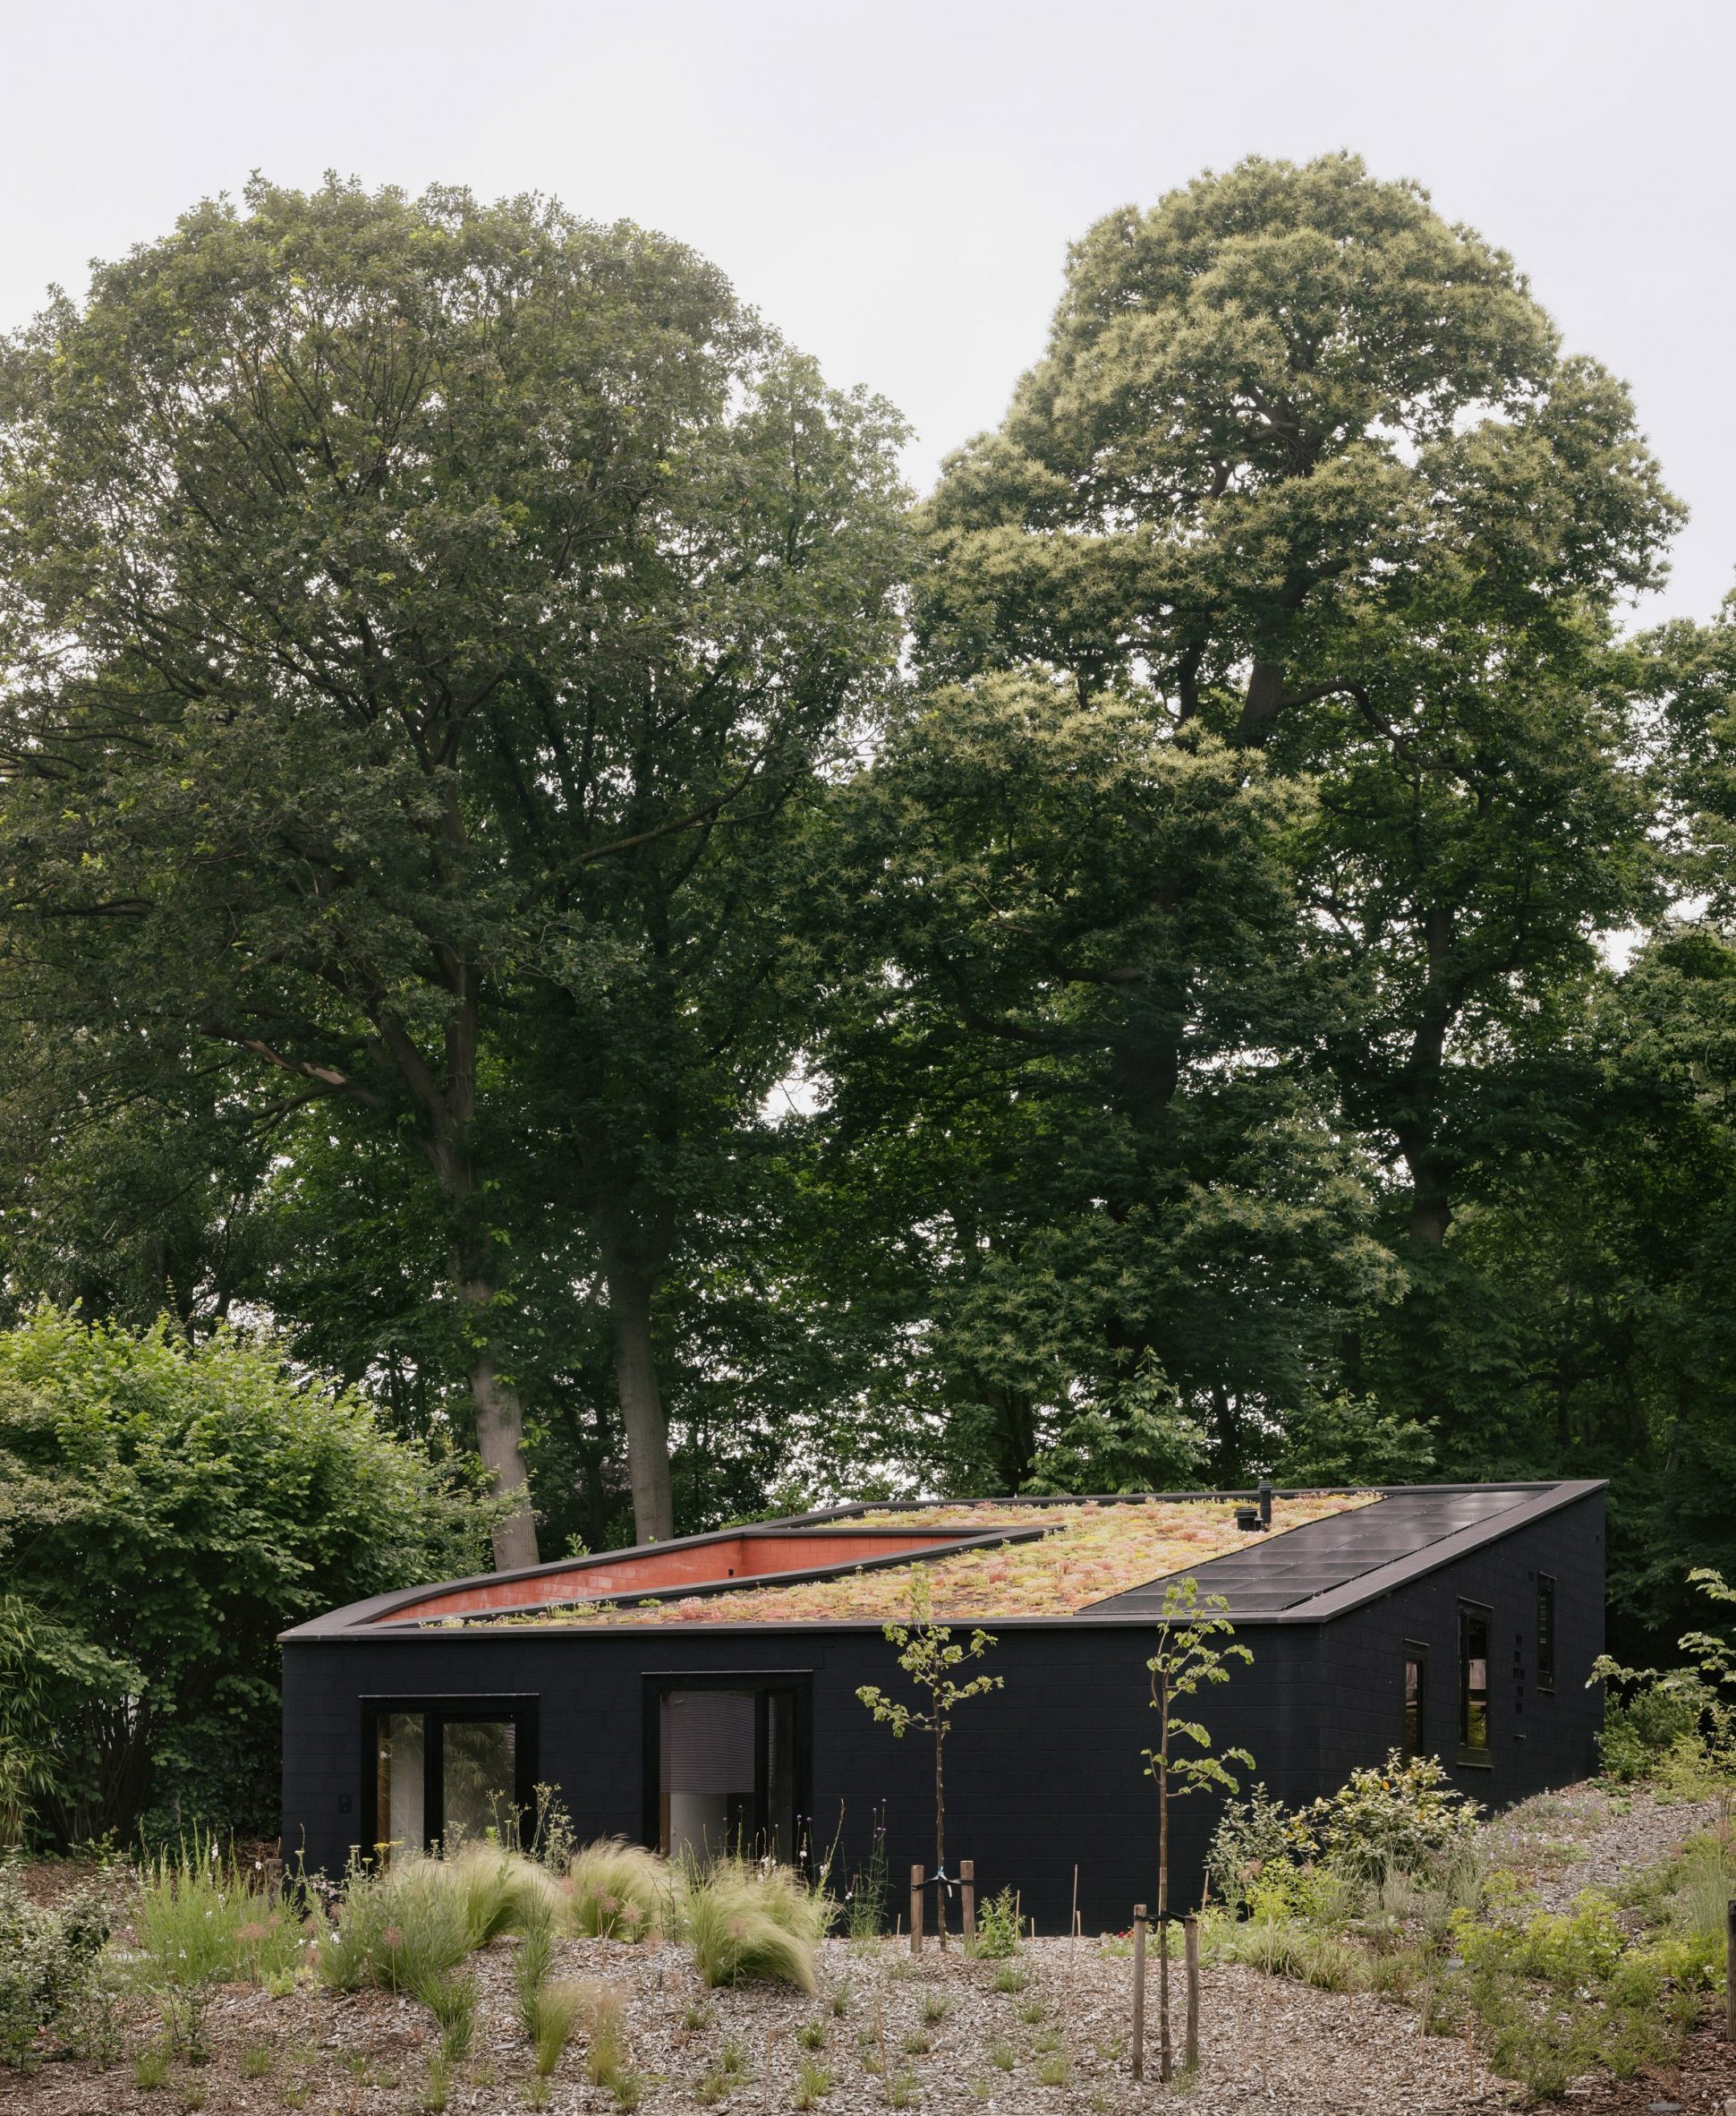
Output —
<point x="895" y="185"/>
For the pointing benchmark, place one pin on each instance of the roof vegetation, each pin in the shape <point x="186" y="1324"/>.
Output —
<point x="1092" y="1549"/>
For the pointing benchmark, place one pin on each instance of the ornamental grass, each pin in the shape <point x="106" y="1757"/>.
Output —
<point x="748" y="1924"/>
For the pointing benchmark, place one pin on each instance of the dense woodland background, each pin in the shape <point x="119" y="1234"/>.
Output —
<point x="644" y="966"/>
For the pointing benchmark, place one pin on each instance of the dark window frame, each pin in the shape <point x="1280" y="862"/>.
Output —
<point x="1470" y="1754"/>
<point x="798" y="1681"/>
<point x="521" y="1708"/>
<point x="1548" y="1621"/>
<point x="1415" y="1649"/>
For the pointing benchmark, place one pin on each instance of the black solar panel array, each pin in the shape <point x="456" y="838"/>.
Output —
<point x="1278" y="1572"/>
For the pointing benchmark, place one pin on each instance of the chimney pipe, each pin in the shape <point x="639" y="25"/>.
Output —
<point x="1265" y="1502"/>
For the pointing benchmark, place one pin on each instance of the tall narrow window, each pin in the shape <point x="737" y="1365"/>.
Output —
<point x="1545" y="1632"/>
<point x="1473" y="1685"/>
<point x="399" y="1761"/>
<point x="1415" y="1737"/>
<point x="724" y="1761"/>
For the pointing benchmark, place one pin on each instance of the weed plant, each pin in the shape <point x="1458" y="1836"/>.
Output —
<point x="997" y="1927"/>
<point x="1010" y="1977"/>
<point x="202" y="1918"/>
<point x="813" y="2082"/>
<point x="451" y="1999"/>
<point x="559" y="2009"/>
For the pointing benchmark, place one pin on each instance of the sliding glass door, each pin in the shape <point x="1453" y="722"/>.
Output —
<point x="726" y="1766"/>
<point x="445" y="1771"/>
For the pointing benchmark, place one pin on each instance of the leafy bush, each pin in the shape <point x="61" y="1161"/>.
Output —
<point x="1564" y="1992"/>
<point x="1252" y="1836"/>
<point x="1642" y="1729"/>
<point x="997" y="1926"/>
<point x="1402" y="1819"/>
<point x="169" y="1508"/>
<point x="617" y="1890"/>
<point x="745" y="1925"/>
<point x="48" y="1961"/>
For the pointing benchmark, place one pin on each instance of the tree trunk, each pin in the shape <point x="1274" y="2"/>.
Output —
<point x="940" y="1834"/>
<point x="501" y="1440"/>
<point x="1163" y="1893"/>
<point x="642" y="1403"/>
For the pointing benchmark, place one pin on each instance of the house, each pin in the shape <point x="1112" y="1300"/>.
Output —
<point x="703" y="1691"/>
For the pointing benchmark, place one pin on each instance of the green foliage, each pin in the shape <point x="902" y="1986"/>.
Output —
<point x="165" y="1510"/>
<point x="929" y="1659"/>
<point x="1400" y="1818"/>
<point x="48" y="1965"/>
<point x="559" y="2008"/>
<point x="997" y="1927"/>
<point x="202" y="1918"/>
<point x="1252" y="1837"/>
<point x="1188" y="1658"/>
<point x="1560" y="1993"/>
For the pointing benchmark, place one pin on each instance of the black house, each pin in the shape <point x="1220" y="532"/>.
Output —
<point x="703" y="1691"/>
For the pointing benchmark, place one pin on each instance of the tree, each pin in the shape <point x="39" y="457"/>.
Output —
<point x="166" y="1511"/>
<point x="1305" y="466"/>
<point x="1187" y="1658"/>
<point x="927" y="1656"/>
<point x="421" y="622"/>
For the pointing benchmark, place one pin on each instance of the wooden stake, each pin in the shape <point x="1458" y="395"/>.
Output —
<point x="916" y="1909"/>
<point x="1190" y="2044"/>
<point x="1073" y="1930"/>
<point x="1139" y="1990"/>
<point x="1730" y="1970"/>
<point x="968" y="1896"/>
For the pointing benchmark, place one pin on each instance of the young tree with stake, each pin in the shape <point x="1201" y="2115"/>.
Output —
<point x="1188" y="1656"/>
<point x="927" y="1656"/>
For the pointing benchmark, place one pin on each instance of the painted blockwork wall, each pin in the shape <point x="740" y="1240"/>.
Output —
<point x="1041" y="1774"/>
<point x="1538" y="1739"/>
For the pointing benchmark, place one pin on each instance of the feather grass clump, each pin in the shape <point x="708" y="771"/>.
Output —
<point x="618" y="1890"/>
<point x="746" y="1924"/>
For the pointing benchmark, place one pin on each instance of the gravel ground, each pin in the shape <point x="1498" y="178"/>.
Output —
<point x="1268" y="2046"/>
<point x="1586" y="1838"/>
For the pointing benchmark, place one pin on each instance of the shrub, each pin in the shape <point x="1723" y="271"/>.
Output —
<point x="1253" y="1835"/>
<point x="1400" y="1818"/>
<point x="997" y="1927"/>
<point x="617" y="1890"/>
<point x="1641" y="1730"/>
<point x="48" y="1961"/>
<point x="175" y="1506"/>
<point x="746" y="1924"/>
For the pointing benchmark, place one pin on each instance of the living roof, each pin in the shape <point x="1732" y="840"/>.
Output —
<point x="1016" y="1561"/>
<point x="1045" y="1560"/>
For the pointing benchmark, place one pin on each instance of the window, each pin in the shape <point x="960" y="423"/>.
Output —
<point x="1416" y="1735"/>
<point x="1545" y="1632"/>
<point x="726" y="1765"/>
<point x="442" y="1770"/>
<point x="1473" y="1685"/>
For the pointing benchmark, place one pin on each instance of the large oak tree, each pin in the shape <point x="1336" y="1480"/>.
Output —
<point x="414" y="613"/>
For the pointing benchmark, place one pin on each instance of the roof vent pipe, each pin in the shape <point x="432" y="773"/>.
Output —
<point x="1265" y="1502"/>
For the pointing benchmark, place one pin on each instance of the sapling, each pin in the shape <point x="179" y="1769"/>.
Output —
<point x="929" y="1657"/>
<point x="1188" y="1656"/>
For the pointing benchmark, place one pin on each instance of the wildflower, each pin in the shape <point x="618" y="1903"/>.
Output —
<point x="391" y="1939"/>
<point x="250" y="1933"/>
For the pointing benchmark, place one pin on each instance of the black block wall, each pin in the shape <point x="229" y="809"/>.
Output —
<point x="1043" y="1774"/>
